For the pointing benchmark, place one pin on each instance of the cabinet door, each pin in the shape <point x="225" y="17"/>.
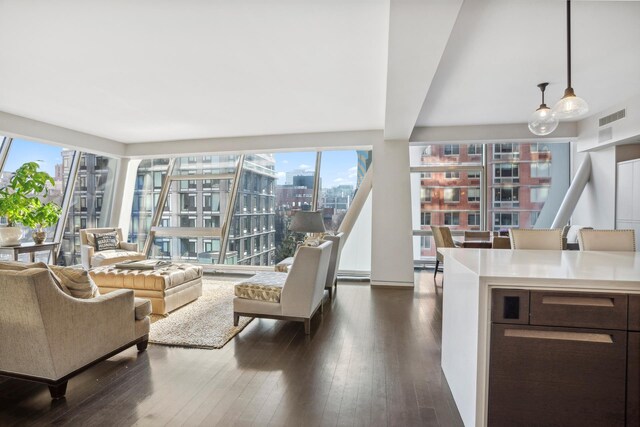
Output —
<point x="625" y="192"/>
<point x="636" y="191"/>
<point x="557" y="376"/>
<point x="633" y="380"/>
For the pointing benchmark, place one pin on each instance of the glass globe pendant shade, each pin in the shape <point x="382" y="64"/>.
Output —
<point x="542" y="121"/>
<point x="570" y="106"/>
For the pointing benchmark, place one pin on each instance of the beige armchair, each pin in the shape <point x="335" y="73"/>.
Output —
<point x="535" y="239"/>
<point x="92" y="258"/>
<point x="47" y="336"/>
<point x="295" y="296"/>
<point x="607" y="240"/>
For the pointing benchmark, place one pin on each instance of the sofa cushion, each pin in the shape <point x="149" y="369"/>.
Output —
<point x="143" y="307"/>
<point x="106" y="241"/>
<point x="21" y="266"/>
<point x="114" y="256"/>
<point x="76" y="280"/>
<point x="262" y="287"/>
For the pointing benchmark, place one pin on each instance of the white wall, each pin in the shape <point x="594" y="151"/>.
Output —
<point x="356" y="253"/>
<point x="392" y="256"/>
<point x="596" y="207"/>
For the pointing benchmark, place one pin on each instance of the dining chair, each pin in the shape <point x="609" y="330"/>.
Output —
<point x="607" y="240"/>
<point x="443" y="239"/>
<point x="535" y="239"/>
<point x="477" y="235"/>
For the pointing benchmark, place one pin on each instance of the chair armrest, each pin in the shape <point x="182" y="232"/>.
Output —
<point x="80" y="331"/>
<point x="86" y="253"/>
<point x="129" y="246"/>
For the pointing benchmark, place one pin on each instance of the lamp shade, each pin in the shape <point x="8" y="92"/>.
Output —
<point x="542" y="121"/>
<point x="307" y="222"/>
<point x="570" y="106"/>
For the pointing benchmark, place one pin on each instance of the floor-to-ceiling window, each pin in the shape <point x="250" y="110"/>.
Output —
<point x="447" y="190"/>
<point x="90" y="203"/>
<point x="524" y="186"/>
<point x="51" y="159"/>
<point x="341" y="173"/>
<point x="527" y="182"/>
<point x="149" y="181"/>
<point x="209" y="218"/>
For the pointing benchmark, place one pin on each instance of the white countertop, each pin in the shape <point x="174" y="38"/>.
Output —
<point x="546" y="265"/>
<point x="469" y="277"/>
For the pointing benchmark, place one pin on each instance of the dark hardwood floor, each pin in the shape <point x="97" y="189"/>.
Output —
<point x="373" y="359"/>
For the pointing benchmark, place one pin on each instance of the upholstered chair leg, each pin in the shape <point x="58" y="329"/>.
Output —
<point x="307" y="326"/>
<point x="142" y="345"/>
<point x="236" y="319"/>
<point x="435" y="270"/>
<point x="322" y="307"/>
<point x="330" y="294"/>
<point x="58" y="390"/>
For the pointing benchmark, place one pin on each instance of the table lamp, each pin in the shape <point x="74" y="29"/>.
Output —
<point x="309" y="222"/>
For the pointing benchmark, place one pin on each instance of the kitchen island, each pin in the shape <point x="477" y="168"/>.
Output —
<point x="472" y="275"/>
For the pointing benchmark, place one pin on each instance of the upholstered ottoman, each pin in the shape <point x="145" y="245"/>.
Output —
<point x="167" y="288"/>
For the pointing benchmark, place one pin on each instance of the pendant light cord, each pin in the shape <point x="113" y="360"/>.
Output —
<point x="568" y="43"/>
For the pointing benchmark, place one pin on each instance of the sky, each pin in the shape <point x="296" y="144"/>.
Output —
<point x="337" y="167"/>
<point x="26" y="151"/>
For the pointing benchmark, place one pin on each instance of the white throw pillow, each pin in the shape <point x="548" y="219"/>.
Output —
<point x="77" y="280"/>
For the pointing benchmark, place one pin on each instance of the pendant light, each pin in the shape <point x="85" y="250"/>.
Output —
<point x="542" y="121"/>
<point x="570" y="106"/>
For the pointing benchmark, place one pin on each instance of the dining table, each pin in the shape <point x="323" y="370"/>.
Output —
<point x="473" y="243"/>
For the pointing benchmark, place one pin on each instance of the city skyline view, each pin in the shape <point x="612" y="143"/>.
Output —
<point x="338" y="167"/>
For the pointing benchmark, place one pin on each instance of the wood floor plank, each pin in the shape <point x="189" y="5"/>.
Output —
<point x="372" y="359"/>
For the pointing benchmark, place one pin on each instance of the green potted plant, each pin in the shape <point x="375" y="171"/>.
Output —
<point x="40" y="216"/>
<point x="21" y="198"/>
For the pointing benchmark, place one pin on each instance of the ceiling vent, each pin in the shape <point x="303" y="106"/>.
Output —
<point x="612" y="117"/>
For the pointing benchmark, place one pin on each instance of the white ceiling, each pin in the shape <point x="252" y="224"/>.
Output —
<point x="137" y="71"/>
<point x="174" y="70"/>
<point x="500" y="50"/>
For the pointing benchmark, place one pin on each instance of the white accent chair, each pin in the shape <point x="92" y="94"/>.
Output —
<point x="91" y="258"/>
<point x="301" y="290"/>
<point x="535" y="239"/>
<point x="607" y="240"/>
<point x="332" y="273"/>
<point x="48" y="336"/>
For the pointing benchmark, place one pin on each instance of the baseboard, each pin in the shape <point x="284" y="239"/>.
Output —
<point x="391" y="285"/>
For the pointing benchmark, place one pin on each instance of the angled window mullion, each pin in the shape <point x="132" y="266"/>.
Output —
<point x="162" y="200"/>
<point x="4" y="151"/>
<point x="66" y="201"/>
<point x="316" y="181"/>
<point x="230" y="212"/>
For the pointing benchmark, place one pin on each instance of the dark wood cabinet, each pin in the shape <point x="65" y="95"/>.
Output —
<point x="634" y="313"/>
<point x="557" y="376"/>
<point x="579" y="310"/>
<point x="633" y="380"/>
<point x="564" y="359"/>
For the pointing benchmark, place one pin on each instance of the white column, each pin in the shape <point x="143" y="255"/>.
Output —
<point x="124" y="187"/>
<point x="391" y="252"/>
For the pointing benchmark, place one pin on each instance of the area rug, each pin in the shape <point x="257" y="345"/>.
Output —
<point x="204" y="323"/>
